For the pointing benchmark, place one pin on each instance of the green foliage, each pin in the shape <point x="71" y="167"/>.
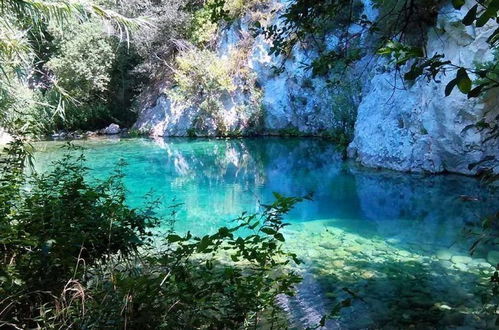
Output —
<point x="203" y="29"/>
<point x="83" y="61"/>
<point x="202" y="72"/>
<point x="58" y="228"/>
<point x="399" y="52"/>
<point x="217" y="281"/>
<point x="75" y="255"/>
<point x="431" y="67"/>
<point x="290" y="132"/>
<point x="25" y="46"/>
<point x="95" y="69"/>
<point x="191" y="132"/>
<point x="345" y="112"/>
<point x="229" y="10"/>
<point x="134" y="133"/>
<point x="24" y="108"/>
<point x="405" y="21"/>
<point x="204" y="79"/>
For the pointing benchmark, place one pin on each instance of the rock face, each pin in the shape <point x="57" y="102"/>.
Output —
<point x="165" y="119"/>
<point x="406" y="128"/>
<point x="290" y="96"/>
<point x="416" y="128"/>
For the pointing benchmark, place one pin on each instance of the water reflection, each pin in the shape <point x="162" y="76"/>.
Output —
<point x="394" y="238"/>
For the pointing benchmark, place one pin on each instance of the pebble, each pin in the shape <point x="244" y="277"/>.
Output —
<point x="444" y="307"/>
<point x="367" y="274"/>
<point x="461" y="259"/>
<point x="353" y="249"/>
<point x="328" y="245"/>
<point x="461" y="267"/>
<point x="446" y="263"/>
<point x="338" y="263"/>
<point x="404" y="253"/>
<point x="484" y="265"/>
<point x="444" y="254"/>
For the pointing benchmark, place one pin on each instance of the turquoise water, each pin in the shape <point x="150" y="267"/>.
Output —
<point x="394" y="239"/>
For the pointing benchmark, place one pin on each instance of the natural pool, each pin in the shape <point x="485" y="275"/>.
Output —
<point x="393" y="239"/>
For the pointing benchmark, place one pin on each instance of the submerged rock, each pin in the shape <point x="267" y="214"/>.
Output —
<point x="493" y="257"/>
<point x="461" y="259"/>
<point x="444" y="254"/>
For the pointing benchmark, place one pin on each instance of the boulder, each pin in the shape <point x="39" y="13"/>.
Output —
<point x="112" y="129"/>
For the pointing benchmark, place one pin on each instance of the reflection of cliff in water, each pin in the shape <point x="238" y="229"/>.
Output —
<point x="217" y="179"/>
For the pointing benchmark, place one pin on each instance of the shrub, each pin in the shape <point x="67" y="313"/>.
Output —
<point x="345" y="114"/>
<point x="24" y="108"/>
<point x="201" y="73"/>
<point x="54" y="228"/>
<point x="190" y="284"/>
<point x="74" y="255"/>
<point x="206" y="81"/>
<point x="84" y="60"/>
<point x="82" y="67"/>
<point x="203" y="30"/>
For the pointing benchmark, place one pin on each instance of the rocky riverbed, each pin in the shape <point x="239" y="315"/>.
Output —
<point x="391" y="284"/>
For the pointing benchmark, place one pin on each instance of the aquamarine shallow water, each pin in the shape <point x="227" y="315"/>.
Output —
<point x="393" y="238"/>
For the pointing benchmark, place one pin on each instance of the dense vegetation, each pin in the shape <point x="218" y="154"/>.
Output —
<point x="75" y="255"/>
<point x="84" y="67"/>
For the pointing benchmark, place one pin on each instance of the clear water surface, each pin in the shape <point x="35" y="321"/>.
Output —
<point x="393" y="239"/>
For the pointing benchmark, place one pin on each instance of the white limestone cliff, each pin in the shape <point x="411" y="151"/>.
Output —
<point x="398" y="126"/>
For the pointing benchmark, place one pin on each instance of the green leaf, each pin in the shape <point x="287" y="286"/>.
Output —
<point x="463" y="81"/>
<point x="492" y="39"/>
<point x="484" y="18"/>
<point x="470" y="16"/>
<point x="203" y="244"/>
<point x="458" y="3"/>
<point x="295" y="259"/>
<point x="450" y="86"/>
<point x="414" y="73"/>
<point x="279" y="237"/>
<point x="174" y="238"/>
<point x="323" y="321"/>
<point x="268" y="231"/>
<point x="224" y="232"/>
<point x="475" y="92"/>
